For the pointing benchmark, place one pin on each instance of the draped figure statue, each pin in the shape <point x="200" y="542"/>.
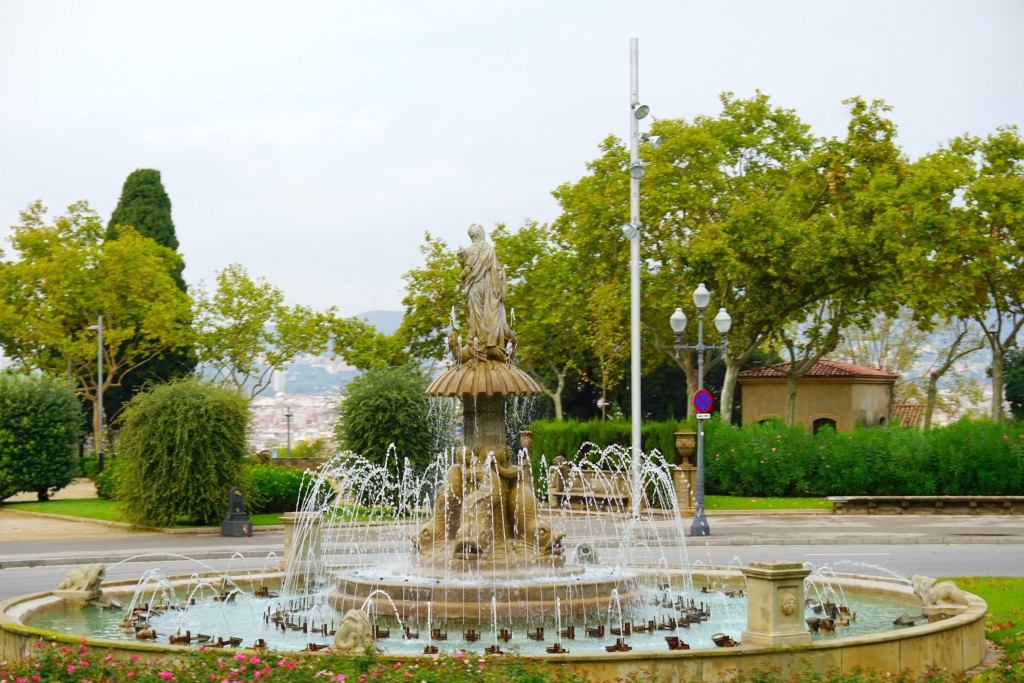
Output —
<point x="483" y="285"/>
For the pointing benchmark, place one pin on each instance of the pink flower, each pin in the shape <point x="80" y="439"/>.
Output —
<point x="460" y="655"/>
<point x="83" y="663"/>
<point x="340" y="678"/>
<point x="241" y="656"/>
<point x="254" y="660"/>
<point x="773" y="449"/>
<point x="166" y="675"/>
<point x="1005" y="437"/>
<point x="71" y="669"/>
<point x="398" y="665"/>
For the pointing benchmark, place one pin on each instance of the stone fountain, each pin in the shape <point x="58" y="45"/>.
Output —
<point x="485" y="523"/>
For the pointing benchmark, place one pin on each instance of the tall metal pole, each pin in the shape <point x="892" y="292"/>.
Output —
<point x="700" y="527"/>
<point x="634" y="276"/>
<point x="288" y="418"/>
<point x="99" y="395"/>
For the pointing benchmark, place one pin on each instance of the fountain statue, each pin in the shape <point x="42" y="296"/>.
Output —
<point x="485" y="514"/>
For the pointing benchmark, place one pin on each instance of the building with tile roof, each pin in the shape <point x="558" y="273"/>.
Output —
<point x="841" y="395"/>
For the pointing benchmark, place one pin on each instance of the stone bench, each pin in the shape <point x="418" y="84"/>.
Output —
<point x="587" y="488"/>
<point x="927" y="505"/>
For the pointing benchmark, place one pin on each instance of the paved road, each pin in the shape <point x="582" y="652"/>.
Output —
<point x="877" y="544"/>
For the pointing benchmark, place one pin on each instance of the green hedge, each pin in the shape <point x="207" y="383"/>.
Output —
<point x="271" y="488"/>
<point x="567" y="438"/>
<point x="964" y="458"/>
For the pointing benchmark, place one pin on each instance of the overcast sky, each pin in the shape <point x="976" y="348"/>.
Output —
<point x="316" y="142"/>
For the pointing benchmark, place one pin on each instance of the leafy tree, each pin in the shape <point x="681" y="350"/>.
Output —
<point x="970" y="237"/>
<point x="388" y="406"/>
<point x="64" y="276"/>
<point x="245" y="331"/>
<point x="363" y="347"/>
<point x="433" y="296"/>
<point x="145" y="206"/>
<point x="1014" y="368"/>
<point x="182" y="446"/>
<point x="40" y="423"/>
<point x="710" y="215"/>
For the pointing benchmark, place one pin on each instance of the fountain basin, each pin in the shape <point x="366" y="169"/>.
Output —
<point x="956" y="643"/>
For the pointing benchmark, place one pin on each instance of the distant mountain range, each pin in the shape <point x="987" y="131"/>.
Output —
<point x="386" y="322"/>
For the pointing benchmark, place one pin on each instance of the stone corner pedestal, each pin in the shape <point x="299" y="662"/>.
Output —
<point x="302" y="549"/>
<point x="775" y="604"/>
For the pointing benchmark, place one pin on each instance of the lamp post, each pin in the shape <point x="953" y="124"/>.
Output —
<point x="288" y="430"/>
<point x="723" y="322"/>
<point x="98" y="420"/>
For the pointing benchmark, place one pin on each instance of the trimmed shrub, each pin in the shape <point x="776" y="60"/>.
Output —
<point x="40" y="423"/>
<point x="108" y="482"/>
<point x="181" y="446"/>
<point x="271" y="488"/>
<point x="88" y="467"/>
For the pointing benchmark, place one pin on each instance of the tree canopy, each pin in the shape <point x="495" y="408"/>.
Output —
<point x="63" y="275"/>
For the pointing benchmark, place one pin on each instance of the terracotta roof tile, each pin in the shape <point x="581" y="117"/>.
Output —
<point x="823" y="368"/>
<point x="908" y="414"/>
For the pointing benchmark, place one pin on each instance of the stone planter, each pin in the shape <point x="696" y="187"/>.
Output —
<point x="686" y="444"/>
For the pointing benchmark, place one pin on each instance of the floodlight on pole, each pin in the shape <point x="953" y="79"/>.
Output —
<point x="630" y="230"/>
<point x="653" y="140"/>
<point x="636" y="172"/>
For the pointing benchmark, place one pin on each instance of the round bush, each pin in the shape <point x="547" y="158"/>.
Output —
<point x="181" y="446"/>
<point x="40" y="423"/>
<point x="386" y="406"/>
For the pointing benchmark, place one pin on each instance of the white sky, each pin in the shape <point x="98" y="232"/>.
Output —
<point x="315" y="142"/>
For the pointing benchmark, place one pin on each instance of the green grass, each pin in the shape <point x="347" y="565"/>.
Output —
<point x="110" y="510"/>
<point x="1004" y="623"/>
<point x="747" y="503"/>
<point x="89" y="508"/>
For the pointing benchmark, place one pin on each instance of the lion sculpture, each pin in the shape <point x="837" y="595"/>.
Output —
<point x="354" y="632"/>
<point x="85" y="580"/>
<point x="939" y="594"/>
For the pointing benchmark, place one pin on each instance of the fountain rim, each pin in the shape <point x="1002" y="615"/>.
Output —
<point x="858" y="583"/>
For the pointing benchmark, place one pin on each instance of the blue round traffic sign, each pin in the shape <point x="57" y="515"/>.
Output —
<point x="702" y="401"/>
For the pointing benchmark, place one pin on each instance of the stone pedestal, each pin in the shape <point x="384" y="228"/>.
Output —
<point x="775" y="604"/>
<point x="302" y="550"/>
<point x="686" y="496"/>
<point x="684" y="474"/>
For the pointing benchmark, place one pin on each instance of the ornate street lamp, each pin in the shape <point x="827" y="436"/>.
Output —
<point x="723" y="321"/>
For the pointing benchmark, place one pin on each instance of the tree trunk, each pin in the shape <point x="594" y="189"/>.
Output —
<point x="689" y="368"/>
<point x="791" y="398"/>
<point x="998" y="414"/>
<point x="930" y="401"/>
<point x="732" y="371"/>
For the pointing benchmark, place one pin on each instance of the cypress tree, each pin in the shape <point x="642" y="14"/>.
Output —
<point x="145" y="206"/>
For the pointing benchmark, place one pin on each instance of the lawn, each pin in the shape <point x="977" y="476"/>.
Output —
<point x="756" y="504"/>
<point x="111" y="510"/>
